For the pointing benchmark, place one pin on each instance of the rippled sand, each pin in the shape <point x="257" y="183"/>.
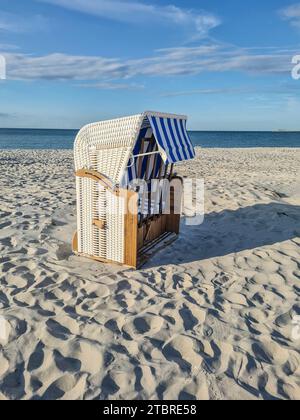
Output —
<point x="210" y="317"/>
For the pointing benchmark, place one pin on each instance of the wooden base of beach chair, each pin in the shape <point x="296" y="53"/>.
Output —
<point x="91" y="257"/>
<point x="153" y="247"/>
<point x="141" y="240"/>
<point x="156" y="240"/>
<point x="75" y="243"/>
<point x="150" y="248"/>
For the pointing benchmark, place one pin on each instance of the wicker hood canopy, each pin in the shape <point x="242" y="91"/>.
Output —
<point x="120" y="141"/>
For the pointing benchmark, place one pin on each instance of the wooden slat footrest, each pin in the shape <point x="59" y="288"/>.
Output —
<point x="151" y="248"/>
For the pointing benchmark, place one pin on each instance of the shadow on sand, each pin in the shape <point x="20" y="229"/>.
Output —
<point x="232" y="231"/>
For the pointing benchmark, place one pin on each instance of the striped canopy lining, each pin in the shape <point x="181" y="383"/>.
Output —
<point x="144" y="167"/>
<point x="173" y="142"/>
<point x="169" y="136"/>
<point x="172" y="137"/>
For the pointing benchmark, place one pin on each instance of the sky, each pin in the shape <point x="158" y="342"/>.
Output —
<point x="225" y="64"/>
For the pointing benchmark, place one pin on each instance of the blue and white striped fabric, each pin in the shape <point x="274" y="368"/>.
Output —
<point x="132" y="173"/>
<point x="172" y="136"/>
<point x="172" y="140"/>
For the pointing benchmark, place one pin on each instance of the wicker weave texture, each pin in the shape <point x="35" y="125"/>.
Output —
<point x="106" y="148"/>
<point x="112" y="141"/>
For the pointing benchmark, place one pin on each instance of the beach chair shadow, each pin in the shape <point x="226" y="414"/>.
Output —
<point x="232" y="231"/>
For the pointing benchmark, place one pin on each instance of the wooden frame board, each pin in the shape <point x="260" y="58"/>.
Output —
<point x="139" y="239"/>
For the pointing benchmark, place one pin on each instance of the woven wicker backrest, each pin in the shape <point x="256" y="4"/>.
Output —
<point x="106" y="146"/>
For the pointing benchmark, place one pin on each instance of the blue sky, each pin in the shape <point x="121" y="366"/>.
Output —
<point x="226" y="64"/>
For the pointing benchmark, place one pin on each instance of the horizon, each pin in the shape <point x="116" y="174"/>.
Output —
<point x="72" y="63"/>
<point x="190" y="131"/>
<point x="278" y="131"/>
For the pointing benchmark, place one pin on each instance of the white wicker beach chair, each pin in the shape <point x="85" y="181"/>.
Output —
<point x="121" y="215"/>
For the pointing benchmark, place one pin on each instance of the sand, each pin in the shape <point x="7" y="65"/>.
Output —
<point x="210" y="317"/>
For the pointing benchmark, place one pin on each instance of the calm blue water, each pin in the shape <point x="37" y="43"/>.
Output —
<point x="17" y="138"/>
<point x="64" y="139"/>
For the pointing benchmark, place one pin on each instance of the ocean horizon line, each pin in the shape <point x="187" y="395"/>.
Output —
<point x="280" y="131"/>
<point x="56" y="138"/>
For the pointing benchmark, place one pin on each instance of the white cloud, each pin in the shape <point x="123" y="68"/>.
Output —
<point x="64" y="67"/>
<point x="292" y="13"/>
<point x="213" y="58"/>
<point x="5" y="26"/>
<point x="7" y="47"/>
<point x="131" y="11"/>
<point x="112" y="86"/>
<point x="221" y="91"/>
<point x="10" y="22"/>
<point x="280" y="89"/>
<point x="105" y="72"/>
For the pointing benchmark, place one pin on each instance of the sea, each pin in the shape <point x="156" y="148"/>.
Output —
<point x="12" y="138"/>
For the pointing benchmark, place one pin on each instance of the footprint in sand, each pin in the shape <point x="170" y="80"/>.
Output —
<point x="207" y="331"/>
<point x="57" y="330"/>
<point x="246" y="372"/>
<point x="292" y="366"/>
<point x="4" y="365"/>
<point x="66" y="364"/>
<point x="122" y="380"/>
<point x="67" y="387"/>
<point x="5" y="225"/>
<point x="89" y="355"/>
<point x="185" y="351"/>
<point x="19" y="282"/>
<point x="236" y="299"/>
<point x="98" y="291"/>
<point x="4" y="214"/>
<point x="254" y="315"/>
<point x="13" y="384"/>
<point x="197" y="389"/>
<point x="36" y="360"/>
<point x="219" y="362"/>
<point x="14" y="328"/>
<point x="286" y="319"/>
<point x="108" y="387"/>
<point x="290" y="390"/>
<point x="6" y="267"/>
<point x="270" y="352"/>
<point x="64" y="252"/>
<point x="4" y="302"/>
<point x="146" y="324"/>
<point x="191" y="316"/>
<point x="222" y="280"/>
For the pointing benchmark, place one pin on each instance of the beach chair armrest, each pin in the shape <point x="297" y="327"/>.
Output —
<point x="98" y="177"/>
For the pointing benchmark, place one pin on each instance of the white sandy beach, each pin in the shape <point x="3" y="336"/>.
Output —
<point x="210" y="317"/>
